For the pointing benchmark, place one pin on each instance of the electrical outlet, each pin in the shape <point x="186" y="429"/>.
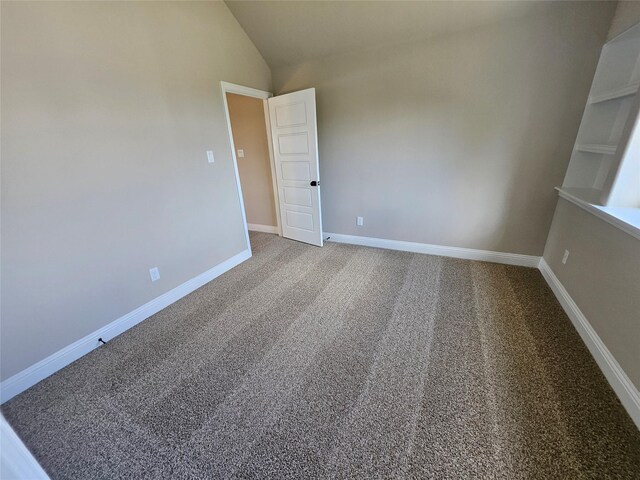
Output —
<point x="359" y="221"/>
<point x="565" y="257"/>
<point x="154" y="273"/>
<point x="210" y="158"/>
<point x="240" y="153"/>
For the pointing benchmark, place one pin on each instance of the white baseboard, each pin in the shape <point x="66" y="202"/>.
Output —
<point x="16" y="461"/>
<point x="619" y="381"/>
<point x="455" y="252"/>
<point x="44" y="368"/>
<point x="255" y="227"/>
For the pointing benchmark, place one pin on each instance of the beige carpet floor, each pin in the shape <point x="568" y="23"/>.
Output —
<point x="338" y="362"/>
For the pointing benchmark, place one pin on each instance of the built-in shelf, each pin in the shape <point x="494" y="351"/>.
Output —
<point x="597" y="148"/>
<point x="622" y="92"/>
<point x="587" y="195"/>
<point x="607" y="119"/>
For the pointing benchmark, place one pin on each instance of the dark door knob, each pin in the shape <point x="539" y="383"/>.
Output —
<point x="315" y="184"/>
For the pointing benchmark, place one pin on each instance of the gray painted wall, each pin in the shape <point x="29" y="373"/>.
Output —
<point x="107" y="111"/>
<point x="602" y="275"/>
<point x="459" y="140"/>
<point x="627" y="14"/>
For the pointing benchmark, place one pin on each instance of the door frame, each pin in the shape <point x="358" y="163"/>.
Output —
<point x="227" y="87"/>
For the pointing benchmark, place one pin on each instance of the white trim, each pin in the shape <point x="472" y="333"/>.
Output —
<point x="246" y="91"/>
<point x="41" y="370"/>
<point x="604" y="213"/>
<point x="429" y="249"/>
<point x="255" y="227"/>
<point x="228" y="88"/>
<point x="272" y="165"/>
<point x="16" y="461"/>
<point x="619" y="381"/>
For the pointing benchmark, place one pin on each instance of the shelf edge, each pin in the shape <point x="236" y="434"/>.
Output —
<point x="614" y="94"/>
<point x="596" y="148"/>
<point x="633" y="230"/>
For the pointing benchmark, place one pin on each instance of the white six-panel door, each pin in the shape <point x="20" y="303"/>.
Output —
<point x="295" y="150"/>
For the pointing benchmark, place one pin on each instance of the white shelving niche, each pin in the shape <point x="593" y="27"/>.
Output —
<point x="608" y="120"/>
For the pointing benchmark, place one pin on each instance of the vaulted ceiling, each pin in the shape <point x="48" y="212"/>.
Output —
<point x="292" y="32"/>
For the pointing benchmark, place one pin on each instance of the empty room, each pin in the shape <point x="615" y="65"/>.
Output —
<point x="320" y="239"/>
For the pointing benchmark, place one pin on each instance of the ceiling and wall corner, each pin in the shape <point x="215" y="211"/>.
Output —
<point x="293" y="32"/>
<point x="457" y="140"/>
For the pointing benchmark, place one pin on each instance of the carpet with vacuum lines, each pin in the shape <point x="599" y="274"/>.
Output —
<point x="338" y="362"/>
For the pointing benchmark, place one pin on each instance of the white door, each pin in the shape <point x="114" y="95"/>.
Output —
<point x="295" y="151"/>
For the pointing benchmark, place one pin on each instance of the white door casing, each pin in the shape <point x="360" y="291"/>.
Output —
<point x="295" y="148"/>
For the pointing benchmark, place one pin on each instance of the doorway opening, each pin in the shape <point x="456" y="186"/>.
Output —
<point x="274" y="141"/>
<point x="249" y="133"/>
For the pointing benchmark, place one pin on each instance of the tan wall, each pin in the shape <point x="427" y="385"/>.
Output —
<point x="107" y="111"/>
<point x="250" y="134"/>
<point x="627" y="14"/>
<point x="602" y="275"/>
<point x="456" y="141"/>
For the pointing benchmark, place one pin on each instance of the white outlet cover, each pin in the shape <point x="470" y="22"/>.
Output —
<point x="154" y="273"/>
<point x="210" y="158"/>
<point x="359" y="221"/>
<point x="565" y="257"/>
<point x="240" y="153"/>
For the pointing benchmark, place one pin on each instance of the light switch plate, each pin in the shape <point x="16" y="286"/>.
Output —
<point x="210" y="156"/>
<point x="240" y="153"/>
<point x="154" y="273"/>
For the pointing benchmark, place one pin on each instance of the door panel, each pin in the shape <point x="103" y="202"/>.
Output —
<point x="294" y="144"/>
<point x="296" y="171"/>
<point x="298" y="196"/>
<point x="300" y="220"/>
<point x="295" y="140"/>
<point x="291" y="115"/>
